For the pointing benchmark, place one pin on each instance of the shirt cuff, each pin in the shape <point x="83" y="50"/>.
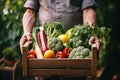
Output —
<point x="33" y="4"/>
<point x="88" y="3"/>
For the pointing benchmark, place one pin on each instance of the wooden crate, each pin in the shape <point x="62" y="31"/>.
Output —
<point x="60" y="67"/>
<point x="10" y="68"/>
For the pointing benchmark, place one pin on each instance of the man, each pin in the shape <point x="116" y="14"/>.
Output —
<point x="69" y="12"/>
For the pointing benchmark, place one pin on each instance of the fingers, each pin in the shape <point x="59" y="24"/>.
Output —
<point x="24" y="38"/>
<point x="91" y="40"/>
<point x="22" y="42"/>
<point x="29" y="37"/>
<point x="95" y="40"/>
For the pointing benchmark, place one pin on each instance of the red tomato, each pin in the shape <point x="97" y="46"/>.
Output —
<point x="31" y="56"/>
<point x="32" y="52"/>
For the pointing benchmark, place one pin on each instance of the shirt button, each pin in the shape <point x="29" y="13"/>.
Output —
<point x="63" y="4"/>
<point x="58" y="18"/>
<point x="57" y="2"/>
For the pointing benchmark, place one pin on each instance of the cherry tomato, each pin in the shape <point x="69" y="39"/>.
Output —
<point x="31" y="56"/>
<point x="32" y="52"/>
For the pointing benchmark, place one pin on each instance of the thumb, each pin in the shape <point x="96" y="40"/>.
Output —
<point x="91" y="40"/>
<point x="29" y="37"/>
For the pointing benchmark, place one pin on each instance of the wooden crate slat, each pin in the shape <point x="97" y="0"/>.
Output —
<point x="59" y="72"/>
<point x="59" y="63"/>
<point x="94" y="61"/>
<point x="24" y="58"/>
<point x="8" y="68"/>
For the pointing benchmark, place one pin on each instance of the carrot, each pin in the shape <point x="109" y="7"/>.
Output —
<point x="43" y="41"/>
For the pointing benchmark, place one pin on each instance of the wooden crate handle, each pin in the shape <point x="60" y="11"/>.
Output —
<point x="24" y="57"/>
<point x="94" y="60"/>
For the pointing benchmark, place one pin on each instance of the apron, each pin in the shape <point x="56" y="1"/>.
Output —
<point x="60" y="11"/>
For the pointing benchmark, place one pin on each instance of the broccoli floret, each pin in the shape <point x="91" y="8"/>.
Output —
<point x="80" y="52"/>
<point x="74" y="42"/>
<point x="55" y="44"/>
<point x="54" y="29"/>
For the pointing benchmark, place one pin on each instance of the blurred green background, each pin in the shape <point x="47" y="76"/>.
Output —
<point x="108" y="14"/>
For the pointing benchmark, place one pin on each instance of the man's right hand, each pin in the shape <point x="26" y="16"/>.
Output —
<point x="25" y="37"/>
<point x="95" y="40"/>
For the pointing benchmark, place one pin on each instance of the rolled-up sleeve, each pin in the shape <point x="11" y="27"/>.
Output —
<point x="33" y="4"/>
<point x="88" y="3"/>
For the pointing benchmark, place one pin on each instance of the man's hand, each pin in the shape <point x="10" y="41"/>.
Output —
<point x="95" y="40"/>
<point x="29" y="20"/>
<point x="25" y="37"/>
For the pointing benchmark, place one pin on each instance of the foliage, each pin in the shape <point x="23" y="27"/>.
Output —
<point x="54" y="29"/>
<point x="80" y="35"/>
<point x="108" y="15"/>
<point x="11" y="25"/>
<point x="10" y="53"/>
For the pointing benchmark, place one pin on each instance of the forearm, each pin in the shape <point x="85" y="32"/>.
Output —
<point x="89" y="16"/>
<point x="29" y="20"/>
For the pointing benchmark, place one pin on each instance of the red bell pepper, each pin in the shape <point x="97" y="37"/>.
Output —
<point x="64" y="53"/>
<point x="67" y="51"/>
<point x="60" y="54"/>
